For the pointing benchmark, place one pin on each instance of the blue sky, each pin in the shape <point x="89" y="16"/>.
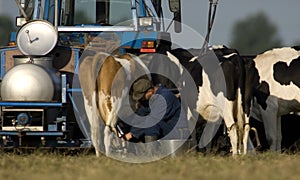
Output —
<point x="285" y="14"/>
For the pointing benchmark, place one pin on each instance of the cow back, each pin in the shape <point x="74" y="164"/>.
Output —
<point x="279" y="69"/>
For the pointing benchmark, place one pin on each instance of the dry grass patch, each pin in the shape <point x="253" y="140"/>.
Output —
<point x="194" y="166"/>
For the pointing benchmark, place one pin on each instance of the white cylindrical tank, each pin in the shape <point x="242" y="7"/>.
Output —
<point x="27" y="82"/>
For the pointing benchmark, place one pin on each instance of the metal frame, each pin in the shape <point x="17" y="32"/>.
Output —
<point x="22" y="128"/>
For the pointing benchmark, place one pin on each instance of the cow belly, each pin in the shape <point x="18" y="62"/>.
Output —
<point x="210" y="106"/>
<point x="286" y="92"/>
<point x="209" y="112"/>
<point x="287" y="106"/>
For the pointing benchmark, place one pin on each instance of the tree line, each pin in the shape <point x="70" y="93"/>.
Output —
<point x="256" y="34"/>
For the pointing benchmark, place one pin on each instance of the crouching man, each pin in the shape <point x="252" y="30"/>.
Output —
<point x="159" y="114"/>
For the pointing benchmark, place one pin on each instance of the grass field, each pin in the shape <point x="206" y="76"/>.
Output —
<point x="193" y="166"/>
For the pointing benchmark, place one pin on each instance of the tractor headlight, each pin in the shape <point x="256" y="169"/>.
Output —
<point x="20" y="21"/>
<point x="145" y="21"/>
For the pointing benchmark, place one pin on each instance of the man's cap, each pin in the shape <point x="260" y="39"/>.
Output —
<point x="140" y="87"/>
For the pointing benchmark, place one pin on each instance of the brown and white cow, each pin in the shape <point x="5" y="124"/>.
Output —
<point x="220" y="78"/>
<point x="105" y="81"/>
<point x="278" y="90"/>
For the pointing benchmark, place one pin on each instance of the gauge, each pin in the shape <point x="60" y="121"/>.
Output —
<point x="37" y="37"/>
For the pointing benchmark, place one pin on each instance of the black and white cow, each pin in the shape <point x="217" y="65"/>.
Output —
<point x="277" y="91"/>
<point x="221" y="92"/>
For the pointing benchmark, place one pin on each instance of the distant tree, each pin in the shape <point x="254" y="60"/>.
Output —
<point x="6" y="27"/>
<point x="254" y="34"/>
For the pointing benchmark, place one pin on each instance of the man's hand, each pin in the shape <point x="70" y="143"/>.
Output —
<point x="128" y="136"/>
<point x="138" y="105"/>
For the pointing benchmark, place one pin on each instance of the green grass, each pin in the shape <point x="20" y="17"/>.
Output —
<point x="194" y="166"/>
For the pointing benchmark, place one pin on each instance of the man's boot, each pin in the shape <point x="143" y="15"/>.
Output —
<point x="152" y="145"/>
<point x="150" y="139"/>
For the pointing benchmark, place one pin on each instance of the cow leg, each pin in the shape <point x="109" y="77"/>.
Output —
<point x="270" y="124"/>
<point x="246" y="136"/>
<point x="96" y="135"/>
<point x="108" y="137"/>
<point x="233" y="138"/>
<point x="231" y="125"/>
<point x="244" y="128"/>
<point x="278" y="135"/>
<point x="109" y="131"/>
<point x="95" y="123"/>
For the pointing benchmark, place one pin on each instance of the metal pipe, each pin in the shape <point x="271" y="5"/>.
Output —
<point x="36" y="10"/>
<point x="211" y="18"/>
<point x="21" y="9"/>
<point x="258" y="144"/>
<point x="56" y="15"/>
<point x="134" y="14"/>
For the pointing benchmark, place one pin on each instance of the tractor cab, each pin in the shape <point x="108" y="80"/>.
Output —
<point x="138" y="24"/>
